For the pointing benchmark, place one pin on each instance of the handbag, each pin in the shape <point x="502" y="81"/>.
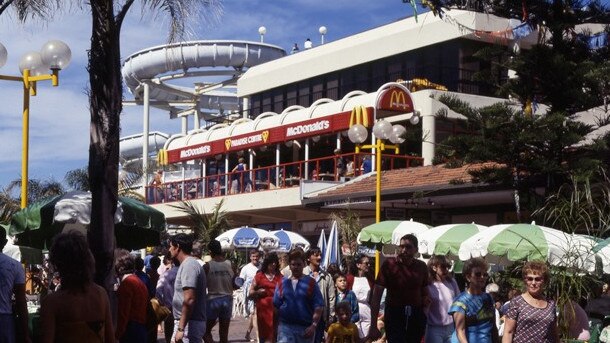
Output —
<point x="157" y="312"/>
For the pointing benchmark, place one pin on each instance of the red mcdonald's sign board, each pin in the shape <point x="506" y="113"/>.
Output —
<point x="299" y="130"/>
<point x="396" y="100"/>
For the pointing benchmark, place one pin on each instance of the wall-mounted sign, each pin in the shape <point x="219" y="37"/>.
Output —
<point x="396" y="100"/>
<point x="306" y="128"/>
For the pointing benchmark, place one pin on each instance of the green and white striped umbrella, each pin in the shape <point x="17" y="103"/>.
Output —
<point x="446" y="239"/>
<point x="389" y="232"/>
<point x="602" y="250"/>
<point x="504" y="243"/>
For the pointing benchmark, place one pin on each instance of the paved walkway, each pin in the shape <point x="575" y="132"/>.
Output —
<point x="237" y="331"/>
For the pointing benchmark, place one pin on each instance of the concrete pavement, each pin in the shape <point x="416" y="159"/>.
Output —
<point x="237" y="331"/>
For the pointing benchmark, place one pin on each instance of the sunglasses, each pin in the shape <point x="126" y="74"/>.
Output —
<point x="406" y="246"/>
<point x="446" y="266"/>
<point x="534" y="279"/>
<point x="479" y="274"/>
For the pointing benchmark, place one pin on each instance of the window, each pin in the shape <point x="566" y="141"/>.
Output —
<point x="304" y="94"/>
<point x="332" y="87"/>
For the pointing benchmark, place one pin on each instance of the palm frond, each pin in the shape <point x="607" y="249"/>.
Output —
<point x="206" y="226"/>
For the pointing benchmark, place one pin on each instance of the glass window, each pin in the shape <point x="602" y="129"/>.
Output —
<point x="304" y="94"/>
<point x="332" y="87"/>
<point x="291" y="95"/>
<point x="317" y="90"/>
<point x="278" y="101"/>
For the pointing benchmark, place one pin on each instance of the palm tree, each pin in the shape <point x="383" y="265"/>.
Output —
<point x="129" y="181"/>
<point x="105" y="101"/>
<point x="37" y="189"/>
<point x="206" y="226"/>
<point x="10" y="201"/>
<point x="77" y="179"/>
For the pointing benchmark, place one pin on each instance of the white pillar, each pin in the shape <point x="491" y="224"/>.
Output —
<point x="196" y="119"/>
<point x="306" y="168"/>
<point x="145" y="132"/>
<point x="227" y="181"/>
<point x="245" y="107"/>
<point x="277" y="163"/>
<point x="428" y="144"/>
<point x="185" y="124"/>
<point x="251" y="163"/>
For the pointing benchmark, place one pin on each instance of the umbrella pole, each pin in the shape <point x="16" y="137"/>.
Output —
<point x="377" y="262"/>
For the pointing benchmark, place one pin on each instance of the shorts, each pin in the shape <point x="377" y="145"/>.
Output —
<point x="220" y="308"/>
<point x="193" y="331"/>
<point x="292" y="333"/>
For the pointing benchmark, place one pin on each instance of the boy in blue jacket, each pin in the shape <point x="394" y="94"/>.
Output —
<point x="299" y="303"/>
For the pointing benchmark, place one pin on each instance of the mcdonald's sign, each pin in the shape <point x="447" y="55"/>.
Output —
<point x="359" y="115"/>
<point x="396" y="100"/>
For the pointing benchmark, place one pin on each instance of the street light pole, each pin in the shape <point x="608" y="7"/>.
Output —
<point x="382" y="130"/>
<point x="54" y="55"/>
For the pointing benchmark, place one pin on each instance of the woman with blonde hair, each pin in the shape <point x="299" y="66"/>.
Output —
<point x="442" y="290"/>
<point x="531" y="317"/>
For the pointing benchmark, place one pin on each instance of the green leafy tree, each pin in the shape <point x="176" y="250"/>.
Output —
<point x="536" y="148"/>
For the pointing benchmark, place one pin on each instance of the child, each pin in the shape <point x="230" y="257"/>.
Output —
<point x="345" y="295"/>
<point x="343" y="331"/>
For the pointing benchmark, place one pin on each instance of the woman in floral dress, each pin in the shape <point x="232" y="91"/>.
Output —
<point x="531" y="317"/>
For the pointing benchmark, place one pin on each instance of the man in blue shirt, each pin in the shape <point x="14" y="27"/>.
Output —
<point x="299" y="303"/>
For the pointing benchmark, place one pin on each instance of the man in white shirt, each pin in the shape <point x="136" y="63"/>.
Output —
<point x="247" y="274"/>
<point x="12" y="282"/>
<point x="308" y="44"/>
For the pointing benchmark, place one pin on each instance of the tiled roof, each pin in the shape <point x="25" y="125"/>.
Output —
<point x="406" y="180"/>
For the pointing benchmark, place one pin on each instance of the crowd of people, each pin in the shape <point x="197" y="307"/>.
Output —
<point x="288" y="298"/>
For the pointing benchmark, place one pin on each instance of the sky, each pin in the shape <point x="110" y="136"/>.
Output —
<point x="59" y="116"/>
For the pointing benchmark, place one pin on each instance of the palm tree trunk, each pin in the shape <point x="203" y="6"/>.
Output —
<point x="105" y="107"/>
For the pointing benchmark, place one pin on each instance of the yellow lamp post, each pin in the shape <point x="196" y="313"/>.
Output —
<point x="382" y="131"/>
<point x="34" y="66"/>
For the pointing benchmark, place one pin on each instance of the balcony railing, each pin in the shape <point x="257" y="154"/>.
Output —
<point x="273" y="177"/>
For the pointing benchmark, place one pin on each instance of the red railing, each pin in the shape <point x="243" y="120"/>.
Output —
<point x="337" y="168"/>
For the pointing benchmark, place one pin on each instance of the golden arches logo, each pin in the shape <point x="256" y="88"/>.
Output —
<point x="359" y="115"/>
<point x="398" y="99"/>
<point x="162" y="158"/>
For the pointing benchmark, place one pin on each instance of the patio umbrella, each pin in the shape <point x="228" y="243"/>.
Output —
<point x="505" y="243"/>
<point x="446" y="239"/>
<point x="602" y="250"/>
<point x="322" y="242"/>
<point x="332" y="248"/>
<point x="389" y="232"/>
<point x="25" y="255"/>
<point x="246" y="237"/>
<point x="137" y="225"/>
<point x="289" y="240"/>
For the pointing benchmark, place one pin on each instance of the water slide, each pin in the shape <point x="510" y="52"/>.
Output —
<point x="197" y="77"/>
<point x="214" y="65"/>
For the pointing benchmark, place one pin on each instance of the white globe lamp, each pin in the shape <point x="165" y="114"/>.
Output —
<point x="382" y="129"/>
<point x="56" y="54"/>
